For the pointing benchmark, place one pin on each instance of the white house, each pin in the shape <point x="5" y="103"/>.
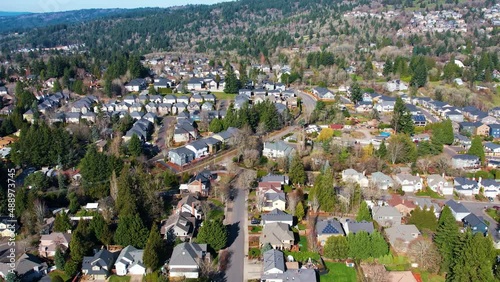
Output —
<point x="278" y="149"/>
<point x="130" y="262"/>
<point x="408" y="182"/>
<point x="351" y="175"/>
<point x="439" y="184"/>
<point x="199" y="148"/>
<point x="458" y="210"/>
<point x="186" y="259"/>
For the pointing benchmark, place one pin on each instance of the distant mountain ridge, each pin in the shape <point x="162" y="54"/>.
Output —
<point x="12" y="14"/>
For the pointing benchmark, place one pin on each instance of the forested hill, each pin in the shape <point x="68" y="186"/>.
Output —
<point x="249" y="26"/>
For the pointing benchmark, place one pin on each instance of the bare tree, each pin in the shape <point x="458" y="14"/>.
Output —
<point x="205" y="208"/>
<point x="424" y="164"/>
<point x="115" y="146"/>
<point x="260" y="201"/>
<point x="372" y="192"/>
<point x="292" y="201"/>
<point x="312" y="240"/>
<point x="251" y="157"/>
<point x="425" y="253"/>
<point x="113" y="189"/>
<point x="314" y="202"/>
<point x="395" y="150"/>
<point x="223" y="191"/>
<point x="246" y="178"/>
<point x="107" y="208"/>
<point x="169" y="135"/>
<point x="261" y="128"/>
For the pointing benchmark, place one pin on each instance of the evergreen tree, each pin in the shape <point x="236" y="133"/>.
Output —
<point x="359" y="245"/>
<point x="59" y="259"/>
<point x="108" y="87"/>
<point x="363" y="213"/>
<point x="56" y="278"/>
<point x="297" y="171"/>
<point x="266" y="247"/>
<point x="388" y="66"/>
<point x="336" y="247"/>
<point x="12" y="277"/>
<point x="232" y="84"/>
<point x="71" y="267"/>
<point x="135" y="146"/>
<point x="424" y="219"/>
<point x="419" y="77"/>
<point x="131" y="231"/>
<point x="379" y="246"/>
<point x="299" y="211"/>
<point x="323" y="190"/>
<point x="81" y="242"/>
<point x="477" y="149"/>
<point x="443" y="132"/>
<point x="446" y="237"/>
<point x="402" y="121"/>
<point x="62" y="222"/>
<point x="154" y="249"/>
<point x="216" y="125"/>
<point x="57" y="86"/>
<point x="126" y="201"/>
<point x="382" y="150"/>
<point x="213" y="233"/>
<point x="101" y="229"/>
<point x="73" y="202"/>
<point x="356" y="94"/>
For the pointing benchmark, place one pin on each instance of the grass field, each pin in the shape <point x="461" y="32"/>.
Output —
<point x="430" y="193"/>
<point x="338" y="272"/>
<point x="303" y="243"/>
<point x="116" y="278"/>
<point x="60" y="273"/>
<point x="493" y="214"/>
<point x="223" y="96"/>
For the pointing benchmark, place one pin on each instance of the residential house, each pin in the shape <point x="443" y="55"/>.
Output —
<point x="73" y="117"/>
<point x="465" y="161"/>
<point x="483" y="130"/>
<point x="181" y="156"/>
<point x="189" y="204"/>
<point x="469" y="127"/>
<point x="209" y="98"/>
<point x="179" y="107"/>
<point x="50" y="242"/>
<point x="386" y="215"/>
<point x="276" y="178"/>
<point x="495" y="130"/>
<point x="323" y="93"/>
<point x="385" y="104"/>
<point x="178" y="225"/>
<point x="130" y="262"/>
<point x="183" y="99"/>
<point x="381" y="180"/>
<point x="213" y="144"/>
<point x="409" y="183"/>
<point x="277" y="215"/>
<point x="419" y="120"/>
<point x="28" y="267"/>
<point x="489" y="120"/>
<point x="268" y="187"/>
<point x="162" y="83"/>
<point x="439" y="184"/>
<point x="207" y="106"/>
<point x="274" y="201"/>
<point x="490" y="187"/>
<point x="354" y="227"/>
<point x="277" y="149"/>
<point x="29" y="116"/>
<point x="274" y="269"/>
<point x="186" y="260"/>
<point x="466" y="186"/>
<point x="396" y="85"/>
<point x="151" y="107"/>
<point x="274" y="262"/>
<point x="458" y="210"/>
<point x="226" y="136"/>
<point x="462" y="140"/>
<point x="245" y="92"/>
<point x="8" y="226"/>
<point x="401" y="236"/>
<point x="199" y="184"/>
<point x="427" y="204"/>
<point x="404" y="206"/>
<point x="454" y="115"/>
<point x="193" y="106"/>
<point x="278" y="235"/>
<point x="196" y="83"/>
<point x="327" y="228"/>
<point x="169" y="99"/>
<point x="491" y="149"/>
<point x="351" y="175"/>
<point x="199" y="148"/>
<point x="475" y="223"/>
<point x="164" y="108"/>
<point x="98" y="266"/>
<point x="136" y="85"/>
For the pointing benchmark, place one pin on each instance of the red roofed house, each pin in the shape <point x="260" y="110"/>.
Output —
<point x="405" y="207"/>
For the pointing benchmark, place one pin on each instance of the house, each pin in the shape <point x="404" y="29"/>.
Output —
<point x="181" y="156"/>
<point x="277" y="149"/>
<point x="458" y="210"/>
<point x="209" y="98"/>
<point x="351" y="175"/>
<point x="268" y="187"/>
<point x="186" y="260"/>
<point x="491" y="149"/>
<point x="427" y="204"/>
<point x="213" y="144"/>
<point x="98" y="267"/>
<point x="439" y="184"/>
<point x="364" y="106"/>
<point x="495" y="130"/>
<point x="396" y="85"/>
<point x="136" y="85"/>
<point x="207" y="106"/>
<point x="466" y="186"/>
<point x="276" y="178"/>
<point x="276" y="270"/>
<point x="28" y="267"/>
<point x="401" y="236"/>
<point x="323" y="93"/>
<point x="468" y="127"/>
<point x="454" y="115"/>
<point x="72" y="117"/>
<point x="227" y="135"/>
<point x="385" y="104"/>
<point x="475" y="223"/>
<point x="196" y="83"/>
<point x="462" y="140"/>
<point x="199" y="184"/>
<point x="381" y="180"/>
<point x="277" y="215"/>
<point x="189" y="204"/>
<point x="169" y="99"/>
<point x="178" y="225"/>
<point x="274" y="201"/>
<point x="130" y="262"/>
<point x="274" y="262"/>
<point x="386" y="215"/>
<point x="327" y="228"/>
<point x="405" y="207"/>
<point x="408" y="182"/>
<point x="490" y="187"/>
<point x="354" y="227"/>
<point x="199" y="148"/>
<point x="465" y="162"/>
<point x="483" y="130"/>
<point x="162" y="83"/>
<point x="278" y="235"/>
<point x="50" y="242"/>
<point x="419" y="120"/>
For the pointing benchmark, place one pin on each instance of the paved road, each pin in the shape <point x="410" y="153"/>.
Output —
<point x="430" y="117"/>
<point x="308" y="102"/>
<point x="236" y="218"/>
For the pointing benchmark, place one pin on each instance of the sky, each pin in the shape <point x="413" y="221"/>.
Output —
<point x="44" y="6"/>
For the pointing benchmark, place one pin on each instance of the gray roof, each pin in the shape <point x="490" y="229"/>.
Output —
<point x="279" y="146"/>
<point x="385" y="211"/>
<point x="198" y="144"/>
<point x="136" y="82"/>
<point x="329" y="226"/>
<point x="211" y="141"/>
<point x="182" y="151"/>
<point x="473" y="220"/>
<point x="274" y="259"/>
<point x="401" y="232"/>
<point x="187" y="254"/>
<point x="102" y="259"/>
<point x="275" y="178"/>
<point x="130" y="256"/>
<point x="355" y="227"/>
<point x="275" y="232"/>
<point x="277" y="215"/>
<point x="465" y="157"/>
<point x="457" y="207"/>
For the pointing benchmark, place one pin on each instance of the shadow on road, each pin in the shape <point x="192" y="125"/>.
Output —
<point x="233" y="232"/>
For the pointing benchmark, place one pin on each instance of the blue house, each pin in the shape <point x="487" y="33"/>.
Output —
<point x="419" y="120"/>
<point x="476" y="224"/>
<point x="494" y="130"/>
<point x="181" y="156"/>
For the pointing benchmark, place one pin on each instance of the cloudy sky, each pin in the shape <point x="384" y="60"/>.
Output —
<point x="40" y="6"/>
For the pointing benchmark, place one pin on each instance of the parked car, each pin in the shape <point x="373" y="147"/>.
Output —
<point x="255" y="221"/>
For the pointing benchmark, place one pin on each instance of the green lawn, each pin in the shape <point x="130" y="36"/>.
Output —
<point x="430" y="193"/>
<point x="493" y="214"/>
<point x="256" y="229"/>
<point x="223" y="96"/>
<point x="287" y="189"/>
<point x="303" y="243"/>
<point x="217" y="203"/>
<point x="116" y="278"/>
<point x="339" y="272"/>
<point x="60" y="273"/>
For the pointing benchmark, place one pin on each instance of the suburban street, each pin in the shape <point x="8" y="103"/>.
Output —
<point x="236" y="221"/>
<point x="308" y="102"/>
<point x="430" y="117"/>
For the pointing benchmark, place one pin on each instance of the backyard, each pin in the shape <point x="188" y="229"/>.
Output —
<point x="339" y="272"/>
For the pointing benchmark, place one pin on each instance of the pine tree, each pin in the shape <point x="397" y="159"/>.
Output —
<point x="388" y="67"/>
<point x="213" y="233"/>
<point x="476" y="148"/>
<point x="446" y="237"/>
<point x="154" y="249"/>
<point x="135" y="146"/>
<point x="419" y="77"/>
<point x="363" y="213"/>
<point x="81" y="242"/>
<point x="216" y="125"/>
<point x="379" y="246"/>
<point x="336" y="247"/>
<point x="356" y="94"/>
<point x="232" y="84"/>
<point x="299" y="211"/>
<point x="382" y="150"/>
<point x="131" y="231"/>
<point x="62" y="222"/>
<point x="402" y="121"/>
<point x="297" y="172"/>
<point x="359" y="245"/>
<point x="59" y="259"/>
<point x="101" y="229"/>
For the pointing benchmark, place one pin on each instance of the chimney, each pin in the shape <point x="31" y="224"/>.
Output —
<point x="479" y="179"/>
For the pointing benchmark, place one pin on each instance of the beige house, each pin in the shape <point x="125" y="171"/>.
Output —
<point x="49" y="243"/>
<point x="483" y="130"/>
<point x="278" y="235"/>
